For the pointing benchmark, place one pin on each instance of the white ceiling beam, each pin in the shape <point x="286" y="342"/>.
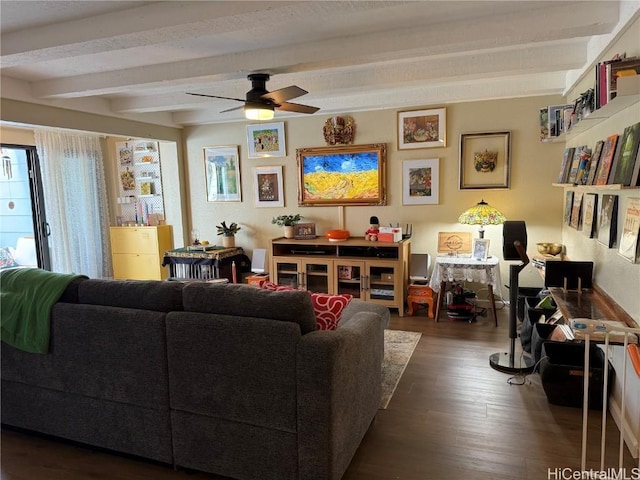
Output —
<point x="333" y="53"/>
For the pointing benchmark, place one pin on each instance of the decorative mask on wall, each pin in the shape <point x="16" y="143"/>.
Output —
<point x="339" y="130"/>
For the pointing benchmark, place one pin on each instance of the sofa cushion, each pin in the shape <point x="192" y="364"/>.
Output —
<point x="248" y="301"/>
<point x="327" y="308"/>
<point x="139" y="294"/>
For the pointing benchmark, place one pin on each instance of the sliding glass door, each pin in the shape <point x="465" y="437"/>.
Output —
<point x="23" y="226"/>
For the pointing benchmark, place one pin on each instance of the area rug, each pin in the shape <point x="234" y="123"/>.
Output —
<point x="398" y="348"/>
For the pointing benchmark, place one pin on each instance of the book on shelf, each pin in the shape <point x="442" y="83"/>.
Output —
<point x="607" y="75"/>
<point x="595" y="160"/>
<point x="583" y="166"/>
<point x="568" y="206"/>
<point x="608" y="220"/>
<point x="578" y="154"/>
<point x="624" y="163"/>
<point x="567" y="158"/>
<point x="630" y="230"/>
<point x="606" y="159"/>
<point x="589" y="214"/>
<point x="576" y="211"/>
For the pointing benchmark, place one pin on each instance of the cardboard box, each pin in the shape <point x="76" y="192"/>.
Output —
<point x="390" y="234"/>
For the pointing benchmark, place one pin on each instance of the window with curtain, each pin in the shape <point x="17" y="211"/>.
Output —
<point x="75" y="202"/>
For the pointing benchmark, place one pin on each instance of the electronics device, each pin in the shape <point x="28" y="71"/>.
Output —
<point x="258" y="260"/>
<point x="419" y="267"/>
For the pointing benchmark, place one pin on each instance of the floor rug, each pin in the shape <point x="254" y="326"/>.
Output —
<point x="398" y="348"/>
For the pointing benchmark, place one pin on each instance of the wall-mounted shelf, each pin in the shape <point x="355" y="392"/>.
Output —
<point x="628" y="95"/>
<point x="616" y="186"/>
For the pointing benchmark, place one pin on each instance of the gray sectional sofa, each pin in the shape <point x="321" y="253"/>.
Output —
<point x="226" y="379"/>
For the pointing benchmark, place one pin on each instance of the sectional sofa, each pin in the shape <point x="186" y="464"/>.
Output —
<point x="226" y="379"/>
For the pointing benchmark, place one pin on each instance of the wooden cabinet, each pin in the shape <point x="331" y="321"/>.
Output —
<point x="137" y="252"/>
<point x="372" y="271"/>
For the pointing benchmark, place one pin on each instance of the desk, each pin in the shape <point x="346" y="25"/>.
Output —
<point x="205" y="265"/>
<point x="458" y="269"/>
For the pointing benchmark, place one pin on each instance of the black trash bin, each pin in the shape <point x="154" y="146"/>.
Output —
<point x="562" y="373"/>
<point x="523" y="294"/>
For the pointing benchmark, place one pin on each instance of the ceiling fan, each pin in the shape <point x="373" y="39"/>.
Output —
<point x="260" y="103"/>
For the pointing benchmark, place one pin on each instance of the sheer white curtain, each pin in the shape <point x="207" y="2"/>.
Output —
<point x="75" y="202"/>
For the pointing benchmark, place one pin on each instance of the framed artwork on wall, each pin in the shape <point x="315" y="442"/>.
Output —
<point x="222" y="174"/>
<point x="422" y="129"/>
<point x="630" y="230"/>
<point x="484" y="160"/>
<point x="342" y="175"/>
<point x="268" y="188"/>
<point x="420" y="182"/>
<point x="266" y="140"/>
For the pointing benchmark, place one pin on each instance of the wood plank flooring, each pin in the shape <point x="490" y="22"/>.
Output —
<point x="452" y="417"/>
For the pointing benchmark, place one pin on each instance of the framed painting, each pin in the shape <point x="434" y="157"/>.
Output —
<point x="422" y="129"/>
<point x="304" y="231"/>
<point x="420" y="182"/>
<point x="266" y="140"/>
<point x="342" y="175"/>
<point x="268" y="188"/>
<point x="222" y="174"/>
<point x="484" y="160"/>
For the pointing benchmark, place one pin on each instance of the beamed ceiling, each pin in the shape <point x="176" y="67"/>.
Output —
<point x="137" y="60"/>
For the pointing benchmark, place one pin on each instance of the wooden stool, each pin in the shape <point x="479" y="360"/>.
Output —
<point x="421" y="294"/>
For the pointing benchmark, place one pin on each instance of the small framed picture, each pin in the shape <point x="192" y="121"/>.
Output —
<point x="266" y="140"/>
<point x="268" y="186"/>
<point x="420" y="182"/>
<point x="222" y="174"/>
<point x="304" y="231"/>
<point x="480" y="249"/>
<point x="422" y="129"/>
<point x="345" y="272"/>
<point x="484" y="160"/>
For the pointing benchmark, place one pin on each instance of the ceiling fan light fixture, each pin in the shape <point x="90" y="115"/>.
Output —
<point x="256" y="111"/>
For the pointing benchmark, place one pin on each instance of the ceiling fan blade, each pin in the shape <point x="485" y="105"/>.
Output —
<point x="216" y="96"/>
<point x="232" y="109"/>
<point x="296" y="107"/>
<point x="284" y="94"/>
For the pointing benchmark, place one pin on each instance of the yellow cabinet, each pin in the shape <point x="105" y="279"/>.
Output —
<point x="137" y="252"/>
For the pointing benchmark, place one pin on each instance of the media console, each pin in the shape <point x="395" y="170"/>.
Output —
<point x="377" y="272"/>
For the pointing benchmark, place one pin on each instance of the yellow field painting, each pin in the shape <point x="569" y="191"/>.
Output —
<point x="323" y="185"/>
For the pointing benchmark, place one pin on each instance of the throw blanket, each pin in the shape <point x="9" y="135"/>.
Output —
<point x="26" y="298"/>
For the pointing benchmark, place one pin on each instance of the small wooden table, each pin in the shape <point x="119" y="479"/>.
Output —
<point x="421" y="295"/>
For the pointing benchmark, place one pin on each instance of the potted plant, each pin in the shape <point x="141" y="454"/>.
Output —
<point x="287" y="221"/>
<point x="228" y="233"/>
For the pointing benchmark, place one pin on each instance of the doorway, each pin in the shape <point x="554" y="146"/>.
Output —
<point x="23" y="226"/>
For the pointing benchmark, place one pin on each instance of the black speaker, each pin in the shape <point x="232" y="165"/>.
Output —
<point x="513" y="230"/>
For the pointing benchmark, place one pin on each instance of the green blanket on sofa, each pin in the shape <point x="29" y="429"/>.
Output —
<point x="26" y="298"/>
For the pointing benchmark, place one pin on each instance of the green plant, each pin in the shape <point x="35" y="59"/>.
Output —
<point x="286" y="220"/>
<point x="228" y="231"/>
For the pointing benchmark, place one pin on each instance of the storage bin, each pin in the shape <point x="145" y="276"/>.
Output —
<point x="531" y="317"/>
<point x="539" y="335"/>
<point x="523" y="294"/>
<point x="562" y="373"/>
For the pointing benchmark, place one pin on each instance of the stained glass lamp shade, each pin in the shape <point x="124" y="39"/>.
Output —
<point x="482" y="214"/>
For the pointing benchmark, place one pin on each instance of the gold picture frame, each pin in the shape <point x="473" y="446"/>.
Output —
<point x="342" y="175"/>
<point x="485" y="160"/>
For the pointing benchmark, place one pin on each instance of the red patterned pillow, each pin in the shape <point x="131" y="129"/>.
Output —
<point x="328" y="309"/>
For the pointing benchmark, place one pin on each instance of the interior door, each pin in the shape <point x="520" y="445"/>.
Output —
<point x="23" y="225"/>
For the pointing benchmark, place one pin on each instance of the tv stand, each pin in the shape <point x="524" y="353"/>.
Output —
<point x="376" y="272"/>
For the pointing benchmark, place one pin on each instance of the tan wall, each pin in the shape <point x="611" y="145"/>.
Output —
<point x="534" y="166"/>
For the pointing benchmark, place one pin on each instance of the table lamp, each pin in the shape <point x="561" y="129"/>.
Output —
<point x="482" y="214"/>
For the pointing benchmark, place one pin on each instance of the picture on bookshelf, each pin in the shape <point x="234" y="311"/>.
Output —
<point x="345" y="272"/>
<point x="606" y="159"/>
<point x="568" y="206"/>
<point x="589" y="214"/>
<point x="576" y="211"/>
<point x="630" y="230"/>
<point x="608" y="220"/>
<point x="624" y="164"/>
<point x="593" y="165"/>
<point x="567" y="158"/>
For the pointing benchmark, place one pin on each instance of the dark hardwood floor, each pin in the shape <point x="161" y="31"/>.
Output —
<point x="452" y="417"/>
